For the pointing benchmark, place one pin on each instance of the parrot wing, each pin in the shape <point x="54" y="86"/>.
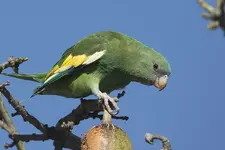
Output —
<point x="69" y="64"/>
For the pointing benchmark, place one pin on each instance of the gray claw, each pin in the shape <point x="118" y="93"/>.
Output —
<point x="106" y="100"/>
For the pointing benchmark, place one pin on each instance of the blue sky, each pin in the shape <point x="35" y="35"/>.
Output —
<point x="190" y="111"/>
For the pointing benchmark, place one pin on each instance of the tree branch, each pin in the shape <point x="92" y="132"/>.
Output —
<point x="5" y="127"/>
<point x="7" y="124"/>
<point x="149" y="138"/>
<point x="13" y="63"/>
<point x="10" y="145"/>
<point x="61" y="134"/>
<point x="49" y="132"/>
<point x="82" y="112"/>
<point x="21" y="110"/>
<point x="216" y="15"/>
<point x="30" y="137"/>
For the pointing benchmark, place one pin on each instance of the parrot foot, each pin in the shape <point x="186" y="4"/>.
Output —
<point x="105" y="99"/>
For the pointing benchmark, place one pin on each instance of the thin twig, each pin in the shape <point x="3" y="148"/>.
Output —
<point x="5" y="84"/>
<point x="10" y="145"/>
<point x="95" y="115"/>
<point x="215" y="14"/>
<point x="13" y="63"/>
<point x="149" y="138"/>
<point x="15" y="114"/>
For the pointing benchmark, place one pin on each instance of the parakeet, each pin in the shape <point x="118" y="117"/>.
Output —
<point x="99" y="64"/>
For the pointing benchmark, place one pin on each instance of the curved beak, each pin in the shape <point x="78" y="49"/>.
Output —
<point x="161" y="82"/>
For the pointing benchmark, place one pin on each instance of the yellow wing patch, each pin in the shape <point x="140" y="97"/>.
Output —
<point x="68" y="62"/>
<point x="52" y="71"/>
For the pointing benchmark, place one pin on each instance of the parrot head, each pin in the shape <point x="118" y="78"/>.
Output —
<point x="155" y="69"/>
<point x="160" y="71"/>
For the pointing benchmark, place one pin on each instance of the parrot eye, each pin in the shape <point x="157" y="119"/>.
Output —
<point x="155" y="66"/>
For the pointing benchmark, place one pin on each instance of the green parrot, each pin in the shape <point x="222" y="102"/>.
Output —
<point x="99" y="64"/>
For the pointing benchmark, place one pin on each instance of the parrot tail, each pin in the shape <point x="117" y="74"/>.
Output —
<point x="37" y="91"/>
<point x="31" y="77"/>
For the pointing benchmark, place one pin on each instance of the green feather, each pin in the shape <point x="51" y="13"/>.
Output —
<point x="56" y="77"/>
<point x="31" y="77"/>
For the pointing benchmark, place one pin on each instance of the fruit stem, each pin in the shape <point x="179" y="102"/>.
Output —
<point x="107" y="118"/>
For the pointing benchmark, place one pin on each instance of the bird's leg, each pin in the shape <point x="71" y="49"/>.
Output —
<point x="105" y="99"/>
